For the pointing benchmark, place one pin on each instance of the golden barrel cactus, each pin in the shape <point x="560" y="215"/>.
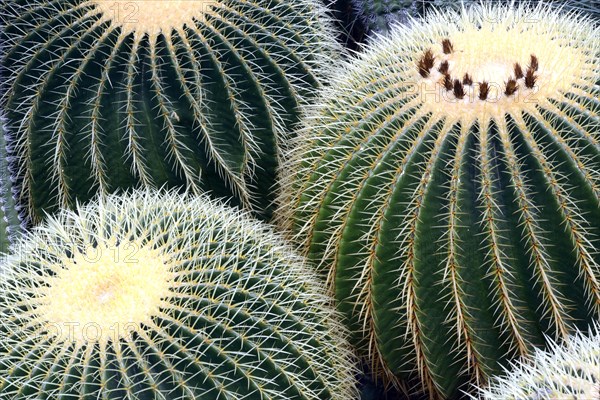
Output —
<point x="448" y="182"/>
<point x="163" y="296"/>
<point x="104" y="95"/>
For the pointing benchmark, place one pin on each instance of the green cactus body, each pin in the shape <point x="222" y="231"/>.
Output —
<point x="566" y="372"/>
<point x="104" y="95"/>
<point x="160" y="296"/>
<point x="458" y="215"/>
<point x="9" y="217"/>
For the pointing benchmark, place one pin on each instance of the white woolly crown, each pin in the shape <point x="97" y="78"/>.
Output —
<point x="486" y="43"/>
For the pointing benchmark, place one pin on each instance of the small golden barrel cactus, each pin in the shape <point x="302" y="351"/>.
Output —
<point x="569" y="371"/>
<point x="103" y="95"/>
<point x="448" y="181"/>
<point x="161" y="296"/>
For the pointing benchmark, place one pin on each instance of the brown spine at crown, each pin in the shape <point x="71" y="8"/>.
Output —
<point x="428" y="59"/>
<point x="533" y="64"/>
<point x="444" y="67"/>
<point x="426" y="63"/>
<point x="467" y="80"/>
<point x="447" y="46"/>
<point x="448" y="82"/>
<point x="484" y="89"/>
<point x="518" y="71"/>
<point x="511" y="87"/>
<point x="530" y="79"/>
<point x="459" y="90"/>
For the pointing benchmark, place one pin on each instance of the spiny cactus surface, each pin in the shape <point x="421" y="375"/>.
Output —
<point x="448" y="181"/>
<point x="10" y="225"/>
<point x="103" y="95"/>
<point x="161" y="296"/>
<point x="569" y="371"/>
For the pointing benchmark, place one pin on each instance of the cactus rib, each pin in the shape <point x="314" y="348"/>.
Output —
<point x="10" y="224"/>
<point x="201" y="94"/>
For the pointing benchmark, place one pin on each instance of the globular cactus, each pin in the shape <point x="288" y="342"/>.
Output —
<point x="10" y="225"/>
<point x="162" y="296"/>
<point x="448" y="181"/>
<point x="103" y="95"/>
<point x="569" y="371"/>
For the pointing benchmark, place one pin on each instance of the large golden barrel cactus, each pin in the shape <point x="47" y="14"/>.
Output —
<point x="448" y="181"/>
<point x="161" y="296"/>
<point x="103" y="95"/>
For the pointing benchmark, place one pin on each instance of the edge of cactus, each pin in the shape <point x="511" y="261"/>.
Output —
<point x="10" y="222"/>
<point x="564" y="363"/>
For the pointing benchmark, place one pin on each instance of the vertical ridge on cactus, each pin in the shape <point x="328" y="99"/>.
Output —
<point x="10" y="224"/>
<point x="566" y="371"/>
<point x="159" y="295"/>
<point x="105" y="95"/>
<point x="458" y="224"/>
